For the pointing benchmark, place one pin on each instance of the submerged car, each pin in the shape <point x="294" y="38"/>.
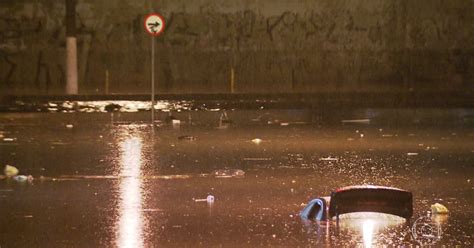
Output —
<point x="353" y="199"/>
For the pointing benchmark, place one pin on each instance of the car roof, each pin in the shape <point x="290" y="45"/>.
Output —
<point x="368" y="198"/>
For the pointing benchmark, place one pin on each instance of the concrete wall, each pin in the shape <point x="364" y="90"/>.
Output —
<point x="274" y="45"/>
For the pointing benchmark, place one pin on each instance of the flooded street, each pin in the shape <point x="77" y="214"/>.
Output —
<point x="111" y="179"/>
<point x="246" y="123"/>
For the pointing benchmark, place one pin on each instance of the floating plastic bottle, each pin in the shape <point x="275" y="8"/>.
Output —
<point x="10" y="171"/>
<point x="210" y="199"/>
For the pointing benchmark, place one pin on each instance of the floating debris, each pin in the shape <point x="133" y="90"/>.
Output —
<point x="210" y="199"/>
<point x="187" y="137"/>
<point x="257" y="159"/>
<point x="112" y="107"/>
<point x="59" y="143"/>
<point x="223" y="122"/>
<point x="357" y="121"/>
<point x="227" y="173"/>
<point x="329" y="159"/>
<point x="170" y="118"/>
<point x="257" y="141"/>
<point x="152" y="210"/>
<point x="224" y="119"/>
<point x="284" y="124"/>
<point x="23" y="178"/>
<point x="438" y="208"/>
<point x="170" y="177"/>
<point x="10" y="171"/>
<point x="412" y="154"/>
<point x="9" y="139"/>
<point x="69" y="126"/>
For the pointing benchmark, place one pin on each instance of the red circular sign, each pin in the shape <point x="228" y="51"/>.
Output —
<point x="154" y="24"/>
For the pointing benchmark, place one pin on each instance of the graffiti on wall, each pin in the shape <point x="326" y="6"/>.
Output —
<point x="297" y="48"/>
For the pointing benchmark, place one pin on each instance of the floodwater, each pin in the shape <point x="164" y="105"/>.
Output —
<point x="111" y="180"/>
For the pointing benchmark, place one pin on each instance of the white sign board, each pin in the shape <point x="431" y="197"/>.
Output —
<point x="154" y="24"/>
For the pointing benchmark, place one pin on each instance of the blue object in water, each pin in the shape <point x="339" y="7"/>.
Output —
<point x="316" y="209"/>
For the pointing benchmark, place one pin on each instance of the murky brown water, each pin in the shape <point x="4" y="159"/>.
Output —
<point x="113" y="181"/>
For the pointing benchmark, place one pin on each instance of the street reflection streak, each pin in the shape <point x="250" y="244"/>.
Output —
<point x="131" y="219"/>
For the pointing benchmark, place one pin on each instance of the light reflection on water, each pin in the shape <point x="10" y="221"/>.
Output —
<point x="362" y="229"/>
<point x="130" y="222"/>
<point x="369" y="225"/>
<point x="368" y="232"/>
<point x="121" y="106"/>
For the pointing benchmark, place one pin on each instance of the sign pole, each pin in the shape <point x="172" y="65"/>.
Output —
<point x="152" y="80"/>
<point x="154" y="25"/>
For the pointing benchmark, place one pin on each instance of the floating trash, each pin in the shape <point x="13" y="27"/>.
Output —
<point x="170" y="118"/>
<point x="10" y="171"/>
<point x="357" y="121"/>
<point x="23" y="178"/>
<point x="438" y="208"/>
<point x="152" y="210"/>
<point x="257" y="141"/>
<point x="9" y="139"/>
<point x="112" y="107"/>
<point x="329" y="159"/>
<point x="210" y="199"/>
<point x="69" y="126"/>
<point x="186" y="138"/>
<point x="59" y="143"/>
<point x="224" y="119"/>
<point x="257" y="159"/>
<point x="226" y="173"/>
<point x="412" y="154"/>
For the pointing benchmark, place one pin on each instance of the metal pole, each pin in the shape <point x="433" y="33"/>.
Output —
<point x="71" y="48"/>
<point x="107" y="82"/>
<point x="152" y="80"/>
<point x="232" y="83"/>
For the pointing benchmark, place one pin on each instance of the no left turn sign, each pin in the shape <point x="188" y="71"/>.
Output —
<point x="154" y="24"/>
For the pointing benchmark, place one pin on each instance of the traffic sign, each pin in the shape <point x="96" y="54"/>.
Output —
<point x="154" y="24"/>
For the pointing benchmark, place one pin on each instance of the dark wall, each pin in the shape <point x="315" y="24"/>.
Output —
<point x="273" y="45"/>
